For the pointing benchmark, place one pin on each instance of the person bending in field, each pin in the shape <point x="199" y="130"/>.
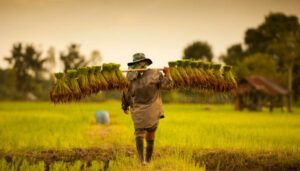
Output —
<point x="144" y="99"/>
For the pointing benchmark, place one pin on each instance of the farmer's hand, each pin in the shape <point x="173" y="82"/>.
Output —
<point x="126" y="112"/>
<point x="167" y="71"/>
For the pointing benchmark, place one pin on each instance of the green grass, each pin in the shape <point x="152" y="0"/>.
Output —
<point x="224" y="128"/>
<point x="33" y="126"/>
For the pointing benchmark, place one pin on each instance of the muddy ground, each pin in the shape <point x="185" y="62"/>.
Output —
<point x="212" y="159"/>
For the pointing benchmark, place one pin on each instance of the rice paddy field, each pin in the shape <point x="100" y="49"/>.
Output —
<point x="44" y="136"/>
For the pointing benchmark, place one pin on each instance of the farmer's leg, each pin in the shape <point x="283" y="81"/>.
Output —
<point x="150" y="135"/>
<point x="139" y="138"/>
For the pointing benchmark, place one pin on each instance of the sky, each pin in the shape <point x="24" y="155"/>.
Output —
<point x="119" y="28"/>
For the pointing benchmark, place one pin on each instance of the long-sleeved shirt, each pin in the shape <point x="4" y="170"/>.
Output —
<point x="144" y="98"/>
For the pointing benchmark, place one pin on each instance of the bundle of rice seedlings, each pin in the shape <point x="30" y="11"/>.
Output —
<point x="178" y="80"/>
<point x="110" y="76"/>
<point x="73" y="85"/>
<point x="83" y="81"/>
<point x="190" y="73"/>
<point x="230" y="82"/>
<point x="183" y="73"/>
<point x="219" y="80"/>
<point x="60" y="91"/>
<point x="92" y="80"/>
<point x="101" y="82"/>
<point x="123" y="82"/>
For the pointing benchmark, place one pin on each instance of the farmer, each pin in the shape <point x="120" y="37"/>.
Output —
<point x="144" y="99"/>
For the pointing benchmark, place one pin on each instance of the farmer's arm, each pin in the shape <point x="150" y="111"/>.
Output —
<point x="125" y="101"/>
<point x="166" y="81"/>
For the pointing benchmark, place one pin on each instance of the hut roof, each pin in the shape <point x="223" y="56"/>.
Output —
<point x="261" y="83"/>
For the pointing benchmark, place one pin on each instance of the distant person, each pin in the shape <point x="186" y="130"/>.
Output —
<point x="144" y="99"/>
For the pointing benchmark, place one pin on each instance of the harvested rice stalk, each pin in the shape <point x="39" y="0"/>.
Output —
<point x="83" y="81"/>
<point x="92" y="80"/>
<point x="182" y="72"/>
<point x="102" y="84"/>
<point x="178" y="80"/>
<point x="110" y="76"/>
<point x="61" y="91"/>
<point x="123" y="83"/>
<point x="218" y="77"/>
<point x="73" y="85"/>
<point x="230" y="81"/>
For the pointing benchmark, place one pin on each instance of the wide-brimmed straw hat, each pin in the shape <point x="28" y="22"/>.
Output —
<point x="139" y="57"/>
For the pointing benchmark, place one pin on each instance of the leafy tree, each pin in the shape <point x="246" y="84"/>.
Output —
<point x="257" y="64"/>
<point x="51" y="58"/>
<point x="8" y="84"/>
<point x="73" y="58"/>
<point x="278" y="36"/>
<point x="27" y="63"/>
<point x="198" y="51"/>
<point x="95" y="58"/>
<point x="235" y="54"/>
<point x="36" y="61"/>
<point x="275" y="30"/>
<point x="287" y="52"/>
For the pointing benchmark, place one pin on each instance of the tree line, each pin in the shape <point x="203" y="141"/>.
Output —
<point x="272" y="49"/>
<point x="29" y="69"/>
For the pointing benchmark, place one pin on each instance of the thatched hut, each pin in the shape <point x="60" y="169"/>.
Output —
<point x="255" y="92"/>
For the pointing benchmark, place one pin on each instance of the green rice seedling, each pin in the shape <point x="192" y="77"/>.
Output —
<point x="178" y="80"/>
<point x="106" y="72"/>
<point x="84" y="81"/>
<point x="96" y="165"/>
<point x="123" y="82"/>
<point x="209" y="75"/>
<point x="98" y="82"/>
<point x="190" y="73"/>
<point x="203" y="75"/>
<point x="73" y="84"/>
<point x="183" y="73"/>
<point x="230" y="81"/>
<point x="92" y="79"/>
<point x="114" y="77"/>
<point x="60" y="91"/>
<point x="199" y="78"/>
<point x="110" y="76"/>
<point x="102" y="84"/>
<point x="197" y="75"/>
<point x="59" y="165"/>
<point x="219" y="80"/>
<point x="213" y="82"/>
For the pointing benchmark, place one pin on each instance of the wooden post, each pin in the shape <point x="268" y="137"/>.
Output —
<point x="271" y="103"/>
<point x="290" y="89"/>
<point x="131" y="70"/>
<point x="238" y="102"/>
